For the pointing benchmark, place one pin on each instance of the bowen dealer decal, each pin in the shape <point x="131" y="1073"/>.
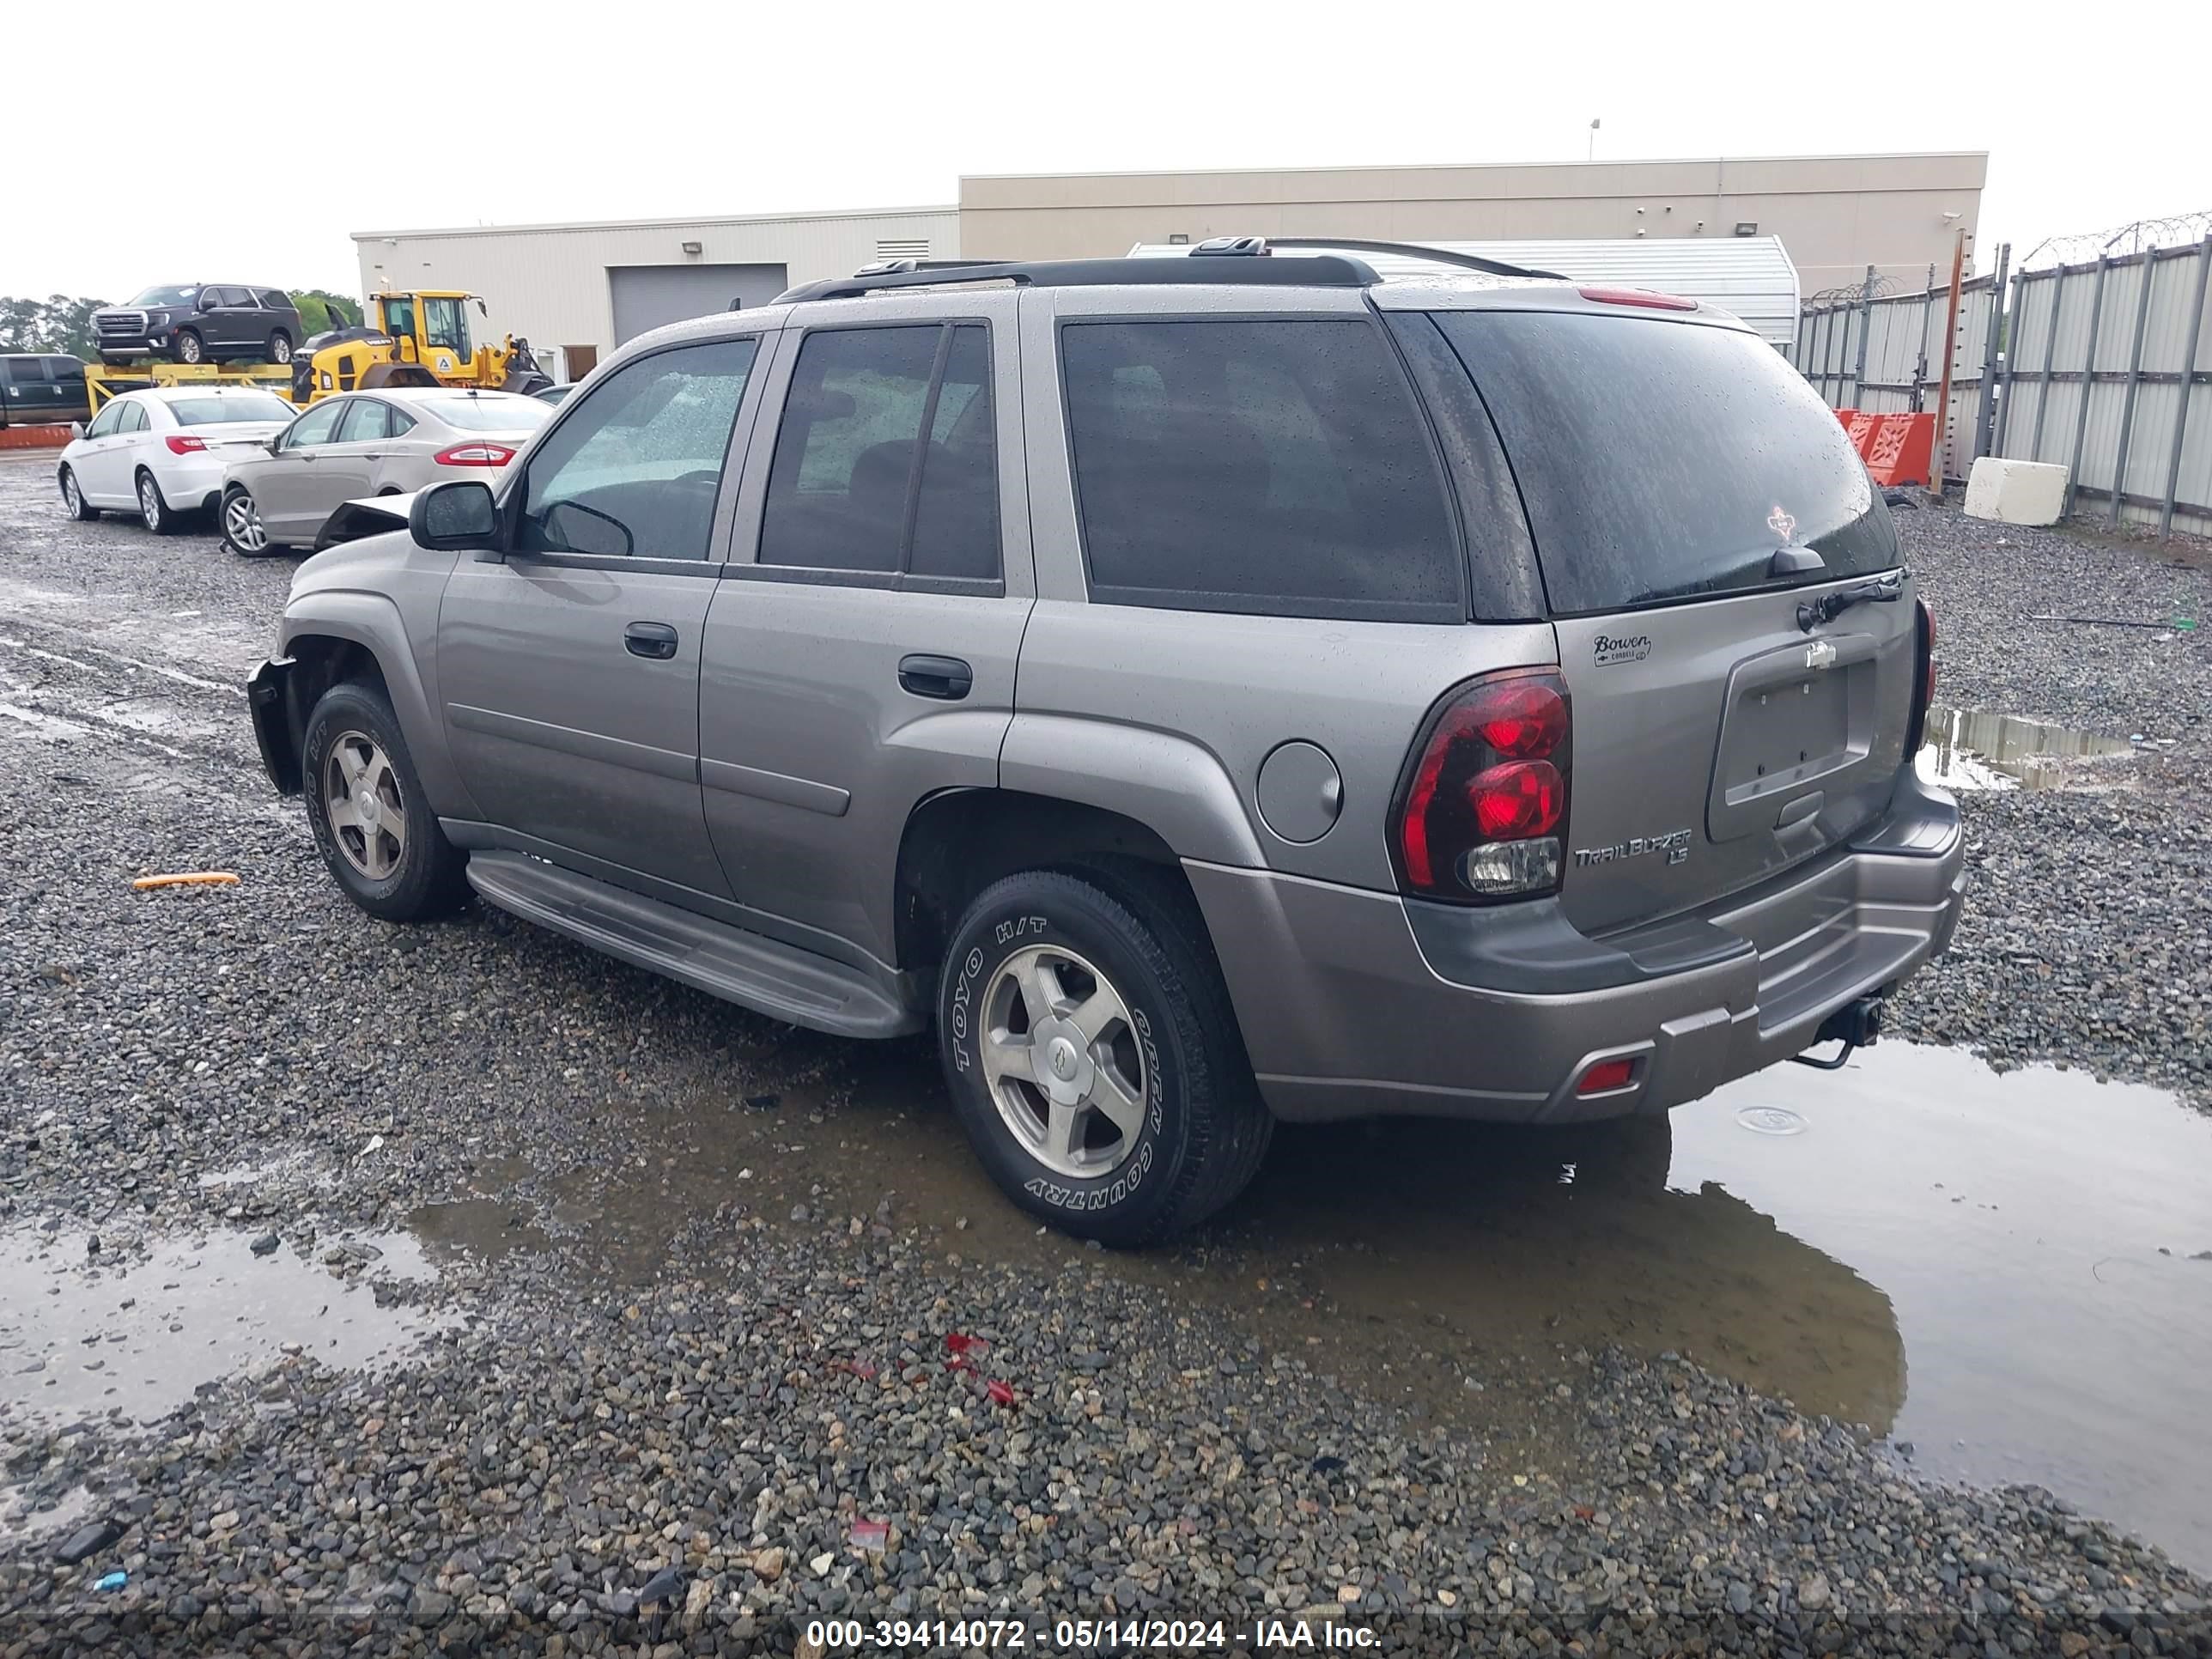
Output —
<point x="1610" y="649"/>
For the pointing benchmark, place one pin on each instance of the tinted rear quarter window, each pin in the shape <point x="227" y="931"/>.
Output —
<point x="1664" y="460"/>
<point x="1276" y="465"/>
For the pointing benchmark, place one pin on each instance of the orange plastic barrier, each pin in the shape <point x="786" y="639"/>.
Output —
<point x="34" y="437"/>
<point x="1898" y="449"/>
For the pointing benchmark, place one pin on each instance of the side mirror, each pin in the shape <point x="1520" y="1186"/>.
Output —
<point x="456" y="516"/>
<point x="76" y="429"/>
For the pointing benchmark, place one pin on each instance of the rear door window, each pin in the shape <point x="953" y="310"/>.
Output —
<point x="844" y="454"/>
<point x="887" y="457"/>
<point x="1269" y="466"/>
<point x="1664" y="461"/>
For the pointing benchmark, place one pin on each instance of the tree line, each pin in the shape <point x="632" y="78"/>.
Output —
<point x="62" y="324"/>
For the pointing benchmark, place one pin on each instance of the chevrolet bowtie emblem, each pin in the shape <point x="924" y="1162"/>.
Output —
<point x="1819" y="654"/>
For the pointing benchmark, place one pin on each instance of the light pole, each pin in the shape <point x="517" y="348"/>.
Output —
<point x="1591" y="155"/>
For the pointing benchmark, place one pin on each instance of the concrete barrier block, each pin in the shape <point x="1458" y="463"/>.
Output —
<point x="2015" y="492"/>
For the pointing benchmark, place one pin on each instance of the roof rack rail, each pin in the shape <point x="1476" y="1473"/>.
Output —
<point x="1417" y="250"/>
<point x="1321" y="270"/>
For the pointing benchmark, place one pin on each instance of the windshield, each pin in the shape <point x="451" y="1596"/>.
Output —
<point x="1663" y="460"/>
<point x="229" y="407"/>
<point x="490" y="411"/>
<point x="166" y="296"/>
<point x="446" y="322"/>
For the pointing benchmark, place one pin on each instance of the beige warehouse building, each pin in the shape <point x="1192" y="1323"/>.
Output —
<point x="585" y="289"/>
<point x="1836" y="215"/>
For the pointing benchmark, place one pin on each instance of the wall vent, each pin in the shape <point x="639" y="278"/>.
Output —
<point x="902" y="248"/>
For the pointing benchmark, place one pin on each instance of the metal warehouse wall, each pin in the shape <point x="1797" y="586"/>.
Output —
<point x="550" y="282"/>
<point x="1837" y="213"/>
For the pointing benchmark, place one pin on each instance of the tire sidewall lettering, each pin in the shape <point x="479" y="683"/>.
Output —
<point x="977" y="965"/>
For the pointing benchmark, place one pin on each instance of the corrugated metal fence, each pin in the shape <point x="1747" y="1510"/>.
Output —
<point x="2105" y="368"/>
<point x="2108" y="376"/>
<point x="1884" y="353"/>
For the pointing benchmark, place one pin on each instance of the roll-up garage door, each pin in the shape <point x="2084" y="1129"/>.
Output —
<point x="646" y="296"/>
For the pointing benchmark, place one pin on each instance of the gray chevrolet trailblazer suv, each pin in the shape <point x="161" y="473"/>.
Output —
<point x="1206" y="690"/>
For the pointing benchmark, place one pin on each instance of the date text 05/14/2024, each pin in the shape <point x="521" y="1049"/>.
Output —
<point x="1304" y="1633"/>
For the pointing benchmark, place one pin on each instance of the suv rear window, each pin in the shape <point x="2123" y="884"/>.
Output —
<point x="1270" y="465"/>
<point x="1663" y="460"/>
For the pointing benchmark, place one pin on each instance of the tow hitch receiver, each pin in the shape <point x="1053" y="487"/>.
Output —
<point x="1855" y="1025"/>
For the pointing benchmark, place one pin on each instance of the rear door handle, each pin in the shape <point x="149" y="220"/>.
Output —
<point x="946" y="679"/>
<point x="653" y="639"/>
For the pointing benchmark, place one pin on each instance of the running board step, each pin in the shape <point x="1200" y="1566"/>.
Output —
<point x="755" y="972"/>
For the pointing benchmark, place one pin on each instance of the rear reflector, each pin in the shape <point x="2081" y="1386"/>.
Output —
<point x="1607" y="1074"/>
<point x="1637" y="296"/>
<point x="474" y="455"/>
<point x="184" y="443"/>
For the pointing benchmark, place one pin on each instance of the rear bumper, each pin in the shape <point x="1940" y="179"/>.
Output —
<point x="1352" y="1005"/>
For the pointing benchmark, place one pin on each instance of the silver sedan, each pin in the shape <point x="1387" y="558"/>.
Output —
<point x="364" y="444"/>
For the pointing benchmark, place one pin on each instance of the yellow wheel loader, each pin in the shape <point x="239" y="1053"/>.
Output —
<point x="418" y="339"/>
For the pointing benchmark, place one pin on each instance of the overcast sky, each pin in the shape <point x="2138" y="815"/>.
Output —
<point x="320" y="121"/>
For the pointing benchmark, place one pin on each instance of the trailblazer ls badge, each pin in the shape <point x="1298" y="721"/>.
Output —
<point x="1675" y="844"/>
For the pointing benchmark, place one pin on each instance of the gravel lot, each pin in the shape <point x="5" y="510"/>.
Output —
<point x="654" y="1408"/>
<point x="2087" y="940"/>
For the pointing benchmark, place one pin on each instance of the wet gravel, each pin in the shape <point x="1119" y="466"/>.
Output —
<point x="586" y="1461"/>
<point x="2087" y="939"/>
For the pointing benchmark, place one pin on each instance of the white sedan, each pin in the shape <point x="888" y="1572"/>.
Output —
<point x="364" y="444"/>
<point x="162" y="452"/>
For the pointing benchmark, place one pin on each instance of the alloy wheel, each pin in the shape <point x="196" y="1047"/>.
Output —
<point x="70" y="498"/>
<point x="363" y="807"/>
<point x="149" y="501"/>
<point x="1060" y="1056"/>
<point x="241" y="522"/>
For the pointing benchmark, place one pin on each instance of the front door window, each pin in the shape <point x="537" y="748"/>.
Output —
<point x="635" y="470"/>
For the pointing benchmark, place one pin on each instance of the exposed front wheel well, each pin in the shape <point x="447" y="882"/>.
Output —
<point x="319" y="662"/>
<point x="957" y="843"/>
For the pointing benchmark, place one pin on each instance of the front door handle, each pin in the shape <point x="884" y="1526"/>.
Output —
<point x="653" y="639"/>
<point x="946" y="679"/>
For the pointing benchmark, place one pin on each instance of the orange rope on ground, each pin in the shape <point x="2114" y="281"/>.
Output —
<point x="194" y="879"/>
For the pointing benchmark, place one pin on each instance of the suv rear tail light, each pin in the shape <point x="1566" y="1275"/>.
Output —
<point x="1481" y="813"/>
<point x="1923" y="688"/>
<point x="474" y="455"/>
<point x="184" y="443"/>
<point x="1637" y="296"/>
<point x="1928" y="654"/>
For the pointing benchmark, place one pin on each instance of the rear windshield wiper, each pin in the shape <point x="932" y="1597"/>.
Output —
<point x="1879" y="590"/>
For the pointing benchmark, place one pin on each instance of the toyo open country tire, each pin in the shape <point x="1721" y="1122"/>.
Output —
<point x="353" y="746"/>
<point x="1105" y="987"/>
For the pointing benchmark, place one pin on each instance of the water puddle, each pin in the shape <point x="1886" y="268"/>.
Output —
<point x="1982" y="749"/>
<point x="2044" y="1245"/>
<point x="80" y="1339"/>
<point x="1996" y="1269"/>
